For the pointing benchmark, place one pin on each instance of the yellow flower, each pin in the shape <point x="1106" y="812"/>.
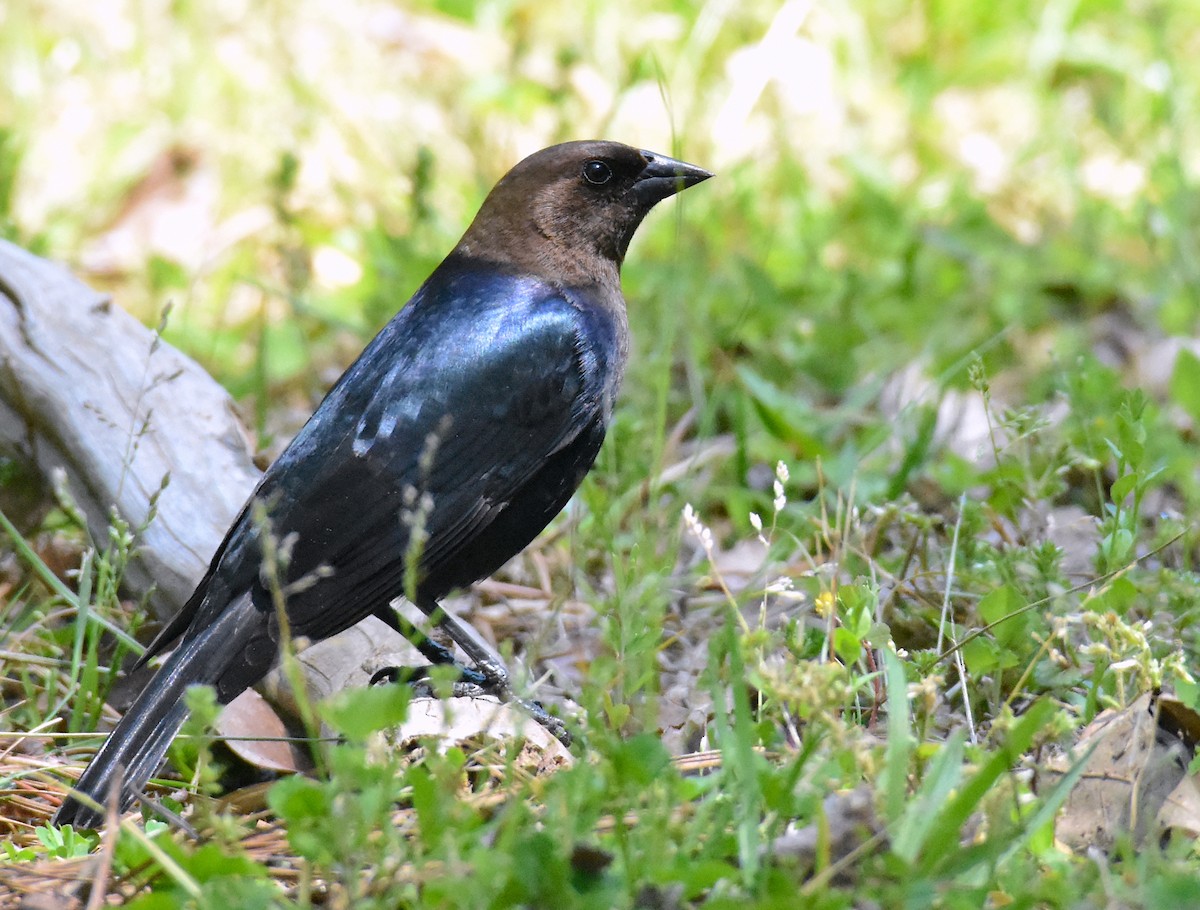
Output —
<point x="825" y="603"/>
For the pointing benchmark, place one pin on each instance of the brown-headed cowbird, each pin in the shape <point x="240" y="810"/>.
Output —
<point x="460" y="431"/>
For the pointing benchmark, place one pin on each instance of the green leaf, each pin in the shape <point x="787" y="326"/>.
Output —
<point x="981" y="654"/>
<point x="1123" y="486"/>
<point x="427" y="801"/>
<point x="1117" y="547"/>
<point x="1118" y="595"/>
<point x="1003" y="602"/>
<point x="916" y="453"/>
<point x="846" y="645"/>
<point x="213" y="861"/>
<point x="641" y="759"/>
<point x="297" y="799"/>
<point x="786" y="416"/>
<point x="357" y="713"/>
<point x="159" y="900"/>
<point x="1051" y="803"/>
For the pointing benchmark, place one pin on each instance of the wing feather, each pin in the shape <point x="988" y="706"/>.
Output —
<point x="442" y="420"/>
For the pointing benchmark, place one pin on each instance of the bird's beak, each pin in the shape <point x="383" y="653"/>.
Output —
<point x="663" y="177"/>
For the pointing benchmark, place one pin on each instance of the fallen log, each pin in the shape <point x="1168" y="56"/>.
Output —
<point x="133" y="425"/>
<point x="87" y="390"/>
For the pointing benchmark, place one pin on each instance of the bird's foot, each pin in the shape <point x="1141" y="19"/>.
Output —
<point x="553" y="725"/>
<point x="497" y="683"/>
<point x="470" y="683"/>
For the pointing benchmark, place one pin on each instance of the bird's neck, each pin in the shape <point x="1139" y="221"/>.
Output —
<point x="532" y="253"/>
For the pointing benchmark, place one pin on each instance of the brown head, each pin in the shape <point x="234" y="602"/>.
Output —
<point x="568" y="212"/>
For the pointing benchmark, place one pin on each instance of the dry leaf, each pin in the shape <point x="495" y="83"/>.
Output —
<point x="1135" y="781"/>
<point x="251" y="715"/>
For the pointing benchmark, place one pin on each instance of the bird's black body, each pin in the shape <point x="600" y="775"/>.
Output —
<point x="507" y="400"/>
<point x="473" y="416"/>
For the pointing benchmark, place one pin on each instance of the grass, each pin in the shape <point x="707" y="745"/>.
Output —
<point x="941" y="279"/>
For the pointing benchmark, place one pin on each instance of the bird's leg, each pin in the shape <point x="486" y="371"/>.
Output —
<point x="469" y="683"/>
<point x="489" y="675"/>
<point x="492" y="669"/>
<point x="489" y="666"/>
<point x="431" y="650"/>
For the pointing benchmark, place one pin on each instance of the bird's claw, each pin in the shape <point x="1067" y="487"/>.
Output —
<point x="418" y="678"/>
<point x="551" y="724"/>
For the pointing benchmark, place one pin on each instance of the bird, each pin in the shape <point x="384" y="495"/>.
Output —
<point x="453" y="439"/>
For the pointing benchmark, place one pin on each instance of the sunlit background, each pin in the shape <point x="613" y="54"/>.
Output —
<point x="277" y="170"/>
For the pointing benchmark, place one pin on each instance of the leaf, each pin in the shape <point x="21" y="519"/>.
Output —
<point x="1123" y="486"/>
<point x="1003" y="602"/>
<point x="427" y="801"/>
<point x="982" y="655"/>
<point x="1117" y="546"/>
<point x="298" y="798"/>
<point x="916" y="453"/>
<point x="641" y="759"/>
<point x="787" y="417"/>
<point x="250" y="715"/>
<point x="357" y="713"/>
<point x="1131" y="763"/>
<point x="846" y="645"/>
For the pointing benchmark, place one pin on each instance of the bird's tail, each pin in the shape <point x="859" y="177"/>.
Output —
<point x="140" y="741"/>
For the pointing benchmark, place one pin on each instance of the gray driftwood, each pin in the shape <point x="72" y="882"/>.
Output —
<point x="88" y="392"/>
<point x="87" y="389"/>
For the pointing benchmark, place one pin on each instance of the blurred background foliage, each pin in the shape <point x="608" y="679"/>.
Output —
<point x="899" y="182"/>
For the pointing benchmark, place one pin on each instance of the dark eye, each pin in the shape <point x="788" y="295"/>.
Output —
<point x="597" y="172"/>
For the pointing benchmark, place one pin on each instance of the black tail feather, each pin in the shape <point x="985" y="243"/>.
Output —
<point x="141" y="739"/>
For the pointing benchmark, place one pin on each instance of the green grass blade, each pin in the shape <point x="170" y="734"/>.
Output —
<point x="900" y="743"/>
<point x="911" y="831"/>
<point x="950" y="821"/>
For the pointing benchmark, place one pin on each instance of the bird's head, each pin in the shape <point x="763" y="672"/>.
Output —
<point x="569" y="211"/>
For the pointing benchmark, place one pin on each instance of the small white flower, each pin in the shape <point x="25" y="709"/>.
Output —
<point x="697" y="528"/>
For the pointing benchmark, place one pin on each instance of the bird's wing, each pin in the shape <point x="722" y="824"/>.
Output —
<point x="446" y="415"/>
